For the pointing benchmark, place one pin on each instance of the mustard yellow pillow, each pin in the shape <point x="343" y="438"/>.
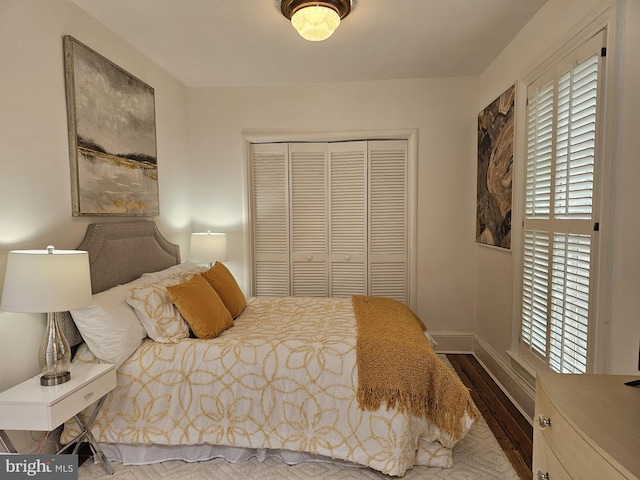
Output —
<point x="201" y="307"/>
<point x="222" y="281"/>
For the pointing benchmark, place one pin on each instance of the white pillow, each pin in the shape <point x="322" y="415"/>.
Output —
<point x="110" y="327"/>
<point x="155" y="309"/>
<point x="172" y="270"/>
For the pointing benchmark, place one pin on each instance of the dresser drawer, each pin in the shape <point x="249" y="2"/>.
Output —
<point x="569" y="447"/>
<point x="545" y="462"/>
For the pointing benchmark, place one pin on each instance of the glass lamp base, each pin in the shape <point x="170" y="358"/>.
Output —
<point x="49" y="380"/>
<point x="54" y="355"/>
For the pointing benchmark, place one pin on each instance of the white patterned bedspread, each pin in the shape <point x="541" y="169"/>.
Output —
<point x="283" y="377"/>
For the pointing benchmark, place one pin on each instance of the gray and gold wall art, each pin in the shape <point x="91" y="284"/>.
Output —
<point x="112" y="136"/>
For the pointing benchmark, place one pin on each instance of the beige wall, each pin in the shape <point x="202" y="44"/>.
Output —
<point x="619" y="287"/>
<point x="625" y="296"/>
<point x="443" y="111"/>
<point x="35" y="200"/>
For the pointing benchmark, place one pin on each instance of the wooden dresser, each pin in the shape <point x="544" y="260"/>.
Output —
<point x="586" y="427"/>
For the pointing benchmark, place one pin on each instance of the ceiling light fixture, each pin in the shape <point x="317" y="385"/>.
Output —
<point x="315" y="21"/>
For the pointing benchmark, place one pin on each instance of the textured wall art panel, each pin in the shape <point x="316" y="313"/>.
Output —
<point x="495" y="171"/>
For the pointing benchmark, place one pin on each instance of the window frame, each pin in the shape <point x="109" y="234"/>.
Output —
<point x="525" y="362"/>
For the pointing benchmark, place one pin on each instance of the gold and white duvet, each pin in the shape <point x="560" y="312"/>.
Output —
<point x="283" y="377"/>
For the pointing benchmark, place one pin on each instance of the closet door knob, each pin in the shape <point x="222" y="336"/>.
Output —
<point x="347" y="258"/>
<point x="309" y="258"/>
<point x="543" y="476"/>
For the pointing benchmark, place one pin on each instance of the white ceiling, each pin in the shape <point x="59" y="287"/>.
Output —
<point x="249" y="42"/>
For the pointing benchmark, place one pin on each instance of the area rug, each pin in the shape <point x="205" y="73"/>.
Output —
<point x="477" y="457"/>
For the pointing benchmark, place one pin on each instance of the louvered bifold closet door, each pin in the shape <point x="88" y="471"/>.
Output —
<point x="309" y="246"/>
<point x="388" y="219"/>
<point x="348" y="219"/>
<point x="270" y="218"/>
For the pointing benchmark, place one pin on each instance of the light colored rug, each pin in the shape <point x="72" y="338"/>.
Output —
<point x="477" y="457"/>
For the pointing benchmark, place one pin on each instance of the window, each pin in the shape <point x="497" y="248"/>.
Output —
<point x="560" y="215"/>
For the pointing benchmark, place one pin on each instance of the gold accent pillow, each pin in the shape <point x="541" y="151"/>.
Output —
<point x="201" y="307"/>
<point x="222" y="281"/>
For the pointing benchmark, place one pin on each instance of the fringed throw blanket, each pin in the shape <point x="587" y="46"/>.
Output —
<point x="398" y="367"/>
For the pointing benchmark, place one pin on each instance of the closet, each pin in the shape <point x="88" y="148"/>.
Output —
<point x="330" y="218"/>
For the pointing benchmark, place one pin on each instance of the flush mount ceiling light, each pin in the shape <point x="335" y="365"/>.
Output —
<point x="315" y="21"/>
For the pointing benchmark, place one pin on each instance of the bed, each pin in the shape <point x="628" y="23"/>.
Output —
<point x="302" y="378"/>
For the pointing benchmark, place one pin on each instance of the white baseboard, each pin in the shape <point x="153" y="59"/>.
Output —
<point x="517" y="383"/>
<point x="453" y="342"/>
<point x="520" y="390"/>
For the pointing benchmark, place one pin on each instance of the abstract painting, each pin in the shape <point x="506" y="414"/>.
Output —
<point x="495" y="170"/>
<point x="112" y="136"/>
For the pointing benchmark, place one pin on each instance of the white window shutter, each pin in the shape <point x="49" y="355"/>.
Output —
<point x="539" y="152"/>
<point x="388" y="219"/>
<point x="269" y="216"/>
<point x="570" y="303"/>
<point x="308" y="172"/>
<point x="558" y="240"/>
<point x="576" y="137"/>
<point x="535" y="290"/>
<point x="348" y="218"/>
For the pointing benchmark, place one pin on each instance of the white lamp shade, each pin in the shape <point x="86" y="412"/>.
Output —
<point x="208" y="247"/>
<point x="40" y="281"/>
<point x="315" y="23"/>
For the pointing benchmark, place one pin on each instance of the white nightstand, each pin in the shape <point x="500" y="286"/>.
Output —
<point x="30" y="406"/>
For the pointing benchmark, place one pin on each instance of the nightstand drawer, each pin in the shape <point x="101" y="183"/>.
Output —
<point x="69" y="406"/>
<point x="30" y="406"/>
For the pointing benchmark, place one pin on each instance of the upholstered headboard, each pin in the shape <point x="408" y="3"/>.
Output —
<point x="120" y="253"/>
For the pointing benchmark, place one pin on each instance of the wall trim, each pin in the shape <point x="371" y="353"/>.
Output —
<point x="250" y="136"/>
<point x="520" y="390"/>
<point x="513" y="378"/>
<point x="453" y="342"/>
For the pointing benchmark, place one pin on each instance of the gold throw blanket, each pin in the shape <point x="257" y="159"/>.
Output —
<point x="397" y="366"/>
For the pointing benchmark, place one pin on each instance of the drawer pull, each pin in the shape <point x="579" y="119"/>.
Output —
<point x="543" y="422"/>
<point x="542" y="476"/>
<point x="88" y="396"/>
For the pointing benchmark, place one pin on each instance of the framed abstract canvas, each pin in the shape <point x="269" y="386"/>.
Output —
<point x="495" y="171"/>
<point x="112" y="136"/>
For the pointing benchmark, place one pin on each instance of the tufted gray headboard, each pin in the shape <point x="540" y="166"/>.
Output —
<point x="119" y="253"/>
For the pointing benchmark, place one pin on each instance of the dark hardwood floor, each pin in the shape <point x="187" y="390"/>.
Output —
<point x="513" y="432"/>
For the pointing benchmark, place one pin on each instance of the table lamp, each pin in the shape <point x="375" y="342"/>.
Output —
<point x="48" y="281"/>
<point x="208" y="247"/>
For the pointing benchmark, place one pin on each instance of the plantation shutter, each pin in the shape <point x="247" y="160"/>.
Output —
<point x="536" y="290"/>
<point x="388" y="219"/>
<point x="559" y="210"/>
<point x="348" y="223"/>
<point x="270" y="219"/>
<point x="309" y="219"/>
